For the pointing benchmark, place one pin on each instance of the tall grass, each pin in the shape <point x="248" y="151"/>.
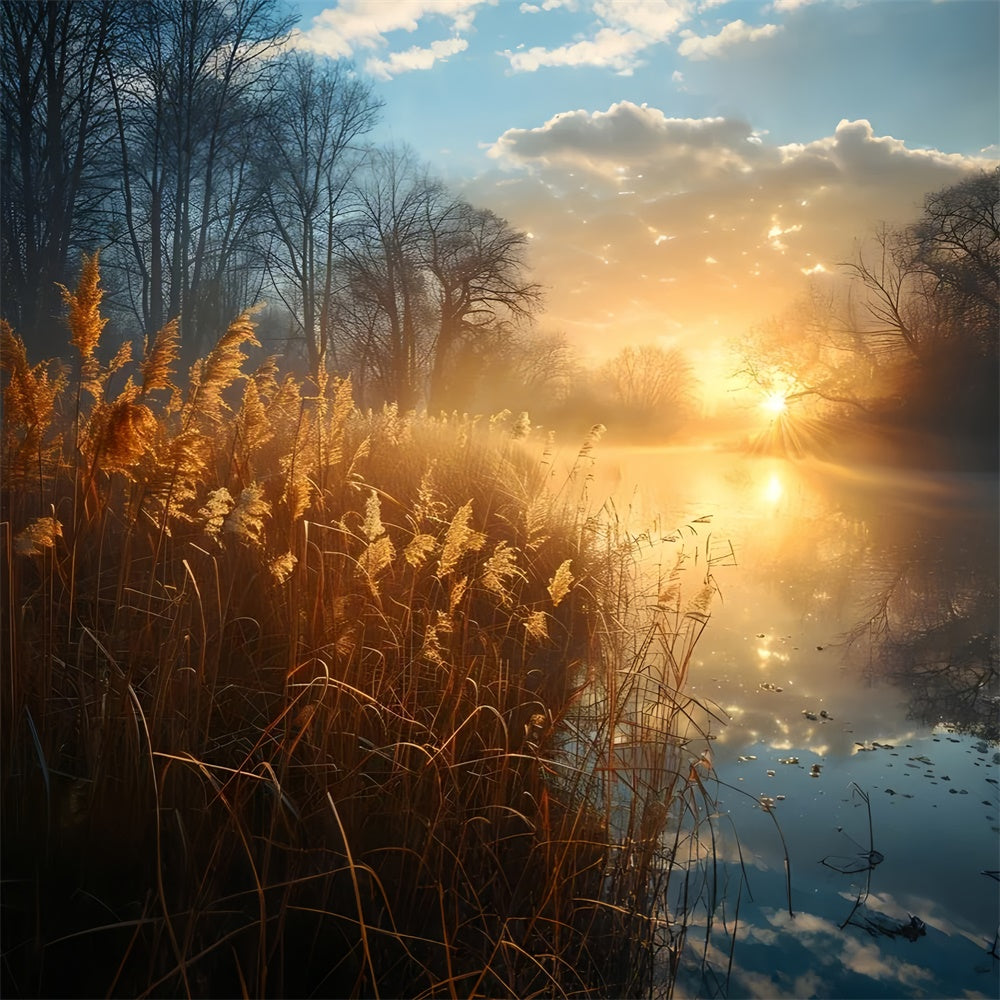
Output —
<point x="304" y="701"/>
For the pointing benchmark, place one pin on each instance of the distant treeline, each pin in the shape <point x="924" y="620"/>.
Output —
<point x="214" y="168"/>
<point x="909" y="342"/>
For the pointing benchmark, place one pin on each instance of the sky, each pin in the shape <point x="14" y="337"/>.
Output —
<point x="685" y="168"/>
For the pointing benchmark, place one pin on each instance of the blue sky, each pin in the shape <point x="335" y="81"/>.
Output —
<point x="685" y="167"/>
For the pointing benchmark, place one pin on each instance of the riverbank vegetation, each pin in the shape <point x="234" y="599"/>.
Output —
<point x="899" y="360"/>
<point x="306" y="700"/>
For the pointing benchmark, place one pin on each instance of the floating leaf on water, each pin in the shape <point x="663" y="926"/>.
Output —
<point x="890" y="791"/>
<point x="809" y="715"/>
<point x="923" y="759"/>
<point x="788" y="760"/>
<point x="770" y="773"/>
<point x="814" y="770"/>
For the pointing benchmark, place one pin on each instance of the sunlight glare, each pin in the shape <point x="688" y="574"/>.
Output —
<point x="774" y="490"/>
<point x="775" y="402"/>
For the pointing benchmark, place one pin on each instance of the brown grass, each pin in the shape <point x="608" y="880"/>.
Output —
<point x="304" y="701"/>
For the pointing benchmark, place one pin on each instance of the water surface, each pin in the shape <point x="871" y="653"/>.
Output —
<point x="852" y="653"/>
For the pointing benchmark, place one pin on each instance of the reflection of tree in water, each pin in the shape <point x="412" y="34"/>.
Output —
<point x="915" y="583"/>
<point x="931" y="628"/>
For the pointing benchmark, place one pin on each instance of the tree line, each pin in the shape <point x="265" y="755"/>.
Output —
<point x="214" y="167"/>
<point x="908" y="340"/>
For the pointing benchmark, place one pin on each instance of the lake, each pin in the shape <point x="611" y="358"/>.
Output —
<point x="849" y="675"/>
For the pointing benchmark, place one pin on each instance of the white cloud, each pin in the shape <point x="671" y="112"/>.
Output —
<point x="609" y="49"/>
<point x="599" y="142"/>
<point x="656" y="19"/>
<point x="785" y="5"/>
<point x="735" y="33"/>
<point x="771" y="216"/>
<point x="414" y="58"/>
<point x="533" y="8"/>
<point x="627" y="28"/>
<point x="363" y="24"/>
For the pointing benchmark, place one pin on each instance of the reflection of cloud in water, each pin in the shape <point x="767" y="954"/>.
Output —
<point x="930" y="912"/>
<point x="809" y="564"/>
<point x="830" y="945"/>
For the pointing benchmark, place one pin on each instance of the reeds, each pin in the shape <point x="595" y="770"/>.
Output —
<point x="304" y="701"/>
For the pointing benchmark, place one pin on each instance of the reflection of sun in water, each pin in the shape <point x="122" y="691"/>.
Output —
<point x="774" y="490"/>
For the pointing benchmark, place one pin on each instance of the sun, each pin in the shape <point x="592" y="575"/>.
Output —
<point x="775" y="403"/>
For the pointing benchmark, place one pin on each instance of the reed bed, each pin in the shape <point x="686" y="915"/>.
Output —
<point x="300" y="700"/>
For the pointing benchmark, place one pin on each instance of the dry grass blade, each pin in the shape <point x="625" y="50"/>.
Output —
<point x="373" y="706"/>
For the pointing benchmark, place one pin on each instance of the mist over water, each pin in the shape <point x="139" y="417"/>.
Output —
<point x="849" y="669"/>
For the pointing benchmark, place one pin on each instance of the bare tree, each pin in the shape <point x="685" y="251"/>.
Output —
<point x="191" y="93"/>
<point x="386" y="303"/>
<point x="54" y="103"/>
<point x="912" y="341"/>
<point x="930" y="291"/>
<point x="649" y="390"/>
<point x="312" y="152"/>
<point x="812" y="355"/>
<point x="435" y="287"/>
<point x="956" y="244"/>
<point x="482" y="293"/>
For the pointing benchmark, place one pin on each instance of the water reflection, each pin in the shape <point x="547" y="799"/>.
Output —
<point x="774" y="490"/>
<point x="854" y="644"/>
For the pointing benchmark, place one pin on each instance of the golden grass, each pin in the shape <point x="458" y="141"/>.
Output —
<point x="304" y="701"/>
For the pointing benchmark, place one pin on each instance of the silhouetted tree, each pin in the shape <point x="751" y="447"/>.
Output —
<point x="54" y="175"/>
<point x="386" y="302"/>
<point x="481" y="292"/>
<point x="957" y="244"/>
<point x="910" y="342"/>
<point x="192" y="93"/>
<point x="433" y="285"/>
<point x="648" y="390"/>
<point x="931" y="297"/>
<point x="312" y="151"/>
